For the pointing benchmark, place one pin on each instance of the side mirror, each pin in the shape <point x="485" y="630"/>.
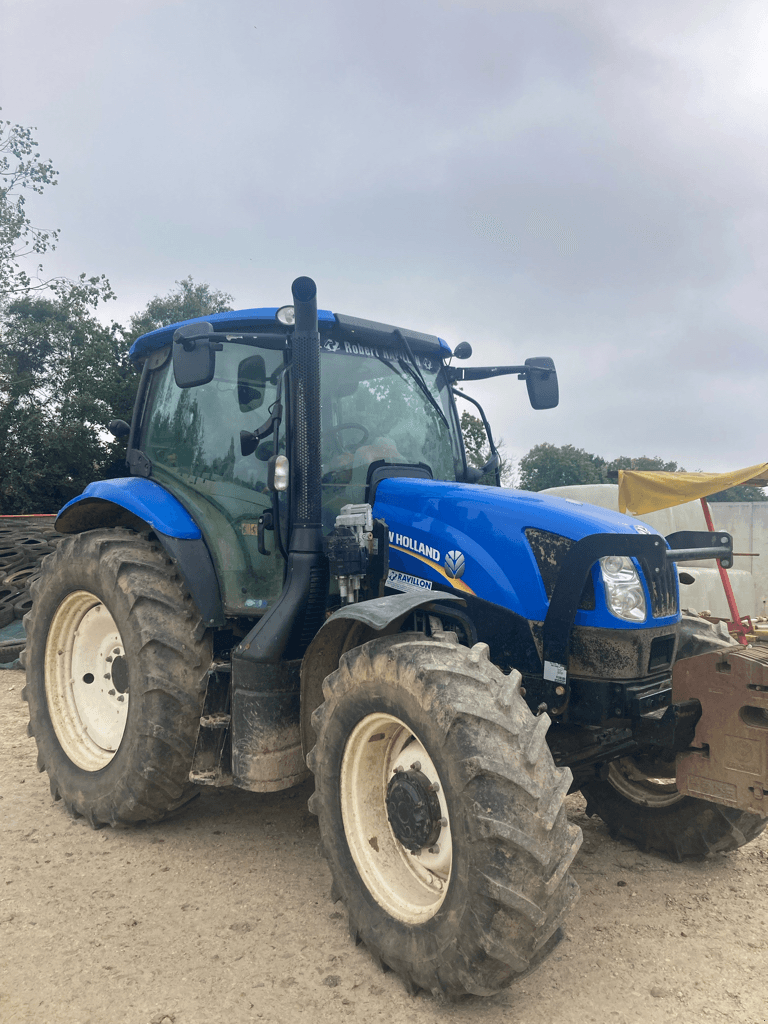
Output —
<point x="251" y="383"/>
<point x="194" y="355"/>
<point x="463" y="350"/>
<point x="541" y="381"/>
<point x="119" y="428"/>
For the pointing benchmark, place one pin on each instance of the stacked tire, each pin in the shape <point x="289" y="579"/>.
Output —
<point x="24" y="543"/>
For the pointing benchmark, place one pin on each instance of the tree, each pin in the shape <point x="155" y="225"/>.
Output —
<point x="479" y="450"/>
<point x="63" y="374"/>
<point x="547" y="465"/>
<point x="63" y="377"/>
<point x="743" y="492"/>
<point x="21" y="170"/>
<point x="186" y="302"/>
<point x="645" y="463"/>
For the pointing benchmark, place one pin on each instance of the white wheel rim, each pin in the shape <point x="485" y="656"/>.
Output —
<point x="627" y="778"/>
<point x="410" y="888"/>
<point x="87" y="711"/>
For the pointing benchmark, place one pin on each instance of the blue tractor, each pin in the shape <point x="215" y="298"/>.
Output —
<point x="302" y="573"/>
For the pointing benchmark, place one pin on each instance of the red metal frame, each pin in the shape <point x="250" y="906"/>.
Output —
<point x="739" y="625"/>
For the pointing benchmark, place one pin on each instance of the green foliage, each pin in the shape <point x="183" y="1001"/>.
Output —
<point x="547" y="465"/>
<point x="21" y="171"/>
<point x="740" y="493"/>
<point x="186" y="302"/>
<point x="63" y="374"/>
<point x="63" y="377"/>
<point x="644" y="463"/>
<point x="479" y="450"/>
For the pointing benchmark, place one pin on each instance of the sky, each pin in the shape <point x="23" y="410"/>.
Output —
<point x="583" y="179"/>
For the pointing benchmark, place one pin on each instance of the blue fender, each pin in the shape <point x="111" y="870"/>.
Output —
<point x="145" y="498"/>
<point x="137" y="503"/>
<point x="377" y="617"/>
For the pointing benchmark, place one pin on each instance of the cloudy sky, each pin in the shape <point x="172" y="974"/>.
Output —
<point x="584" y="179"/>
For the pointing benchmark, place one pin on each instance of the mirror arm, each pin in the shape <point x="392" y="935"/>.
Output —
<point x="495" y="460"/>
<point x="250" y="440"/>
<point x="484" y="372"/>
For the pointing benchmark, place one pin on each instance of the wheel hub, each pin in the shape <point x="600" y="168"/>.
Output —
<point x="384" y="825"/>
<point x="413" y="809"/>
<point x="86" y="680"/>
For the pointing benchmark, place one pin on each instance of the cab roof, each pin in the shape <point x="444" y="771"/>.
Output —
<point x="264" y="319"/>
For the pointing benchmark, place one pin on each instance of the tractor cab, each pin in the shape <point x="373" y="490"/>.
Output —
<point x="216" y="422"/>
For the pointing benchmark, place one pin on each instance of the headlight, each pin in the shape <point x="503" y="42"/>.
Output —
<point x="624" y="593"/>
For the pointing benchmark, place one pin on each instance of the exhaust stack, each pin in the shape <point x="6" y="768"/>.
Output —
<point x="305" y="393"/>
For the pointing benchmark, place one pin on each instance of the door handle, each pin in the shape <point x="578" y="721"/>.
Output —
<point x="265" y="522"/>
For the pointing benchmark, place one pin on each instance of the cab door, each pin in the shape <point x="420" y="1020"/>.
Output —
<point x="192" y="438"/>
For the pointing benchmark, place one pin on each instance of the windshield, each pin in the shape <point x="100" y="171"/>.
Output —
<point x="375" y="408"/>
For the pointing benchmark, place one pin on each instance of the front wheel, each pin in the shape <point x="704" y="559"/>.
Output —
<point x="441" y="814"/>
<point x="117" y="661"/>
<point x="639" y="801"/>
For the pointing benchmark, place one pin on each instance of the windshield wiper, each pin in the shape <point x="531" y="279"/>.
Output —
<point x="415" y="373"/>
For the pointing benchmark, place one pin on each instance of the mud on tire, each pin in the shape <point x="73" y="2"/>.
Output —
<point x="500" y="887"/>
<point x="111" y="620"/>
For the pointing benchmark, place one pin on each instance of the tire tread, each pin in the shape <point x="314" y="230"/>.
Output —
<point x="520" y="880"/>
<point x="173" y="656"/>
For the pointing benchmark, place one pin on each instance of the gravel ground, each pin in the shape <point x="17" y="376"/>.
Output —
<point x="221" y="915"/>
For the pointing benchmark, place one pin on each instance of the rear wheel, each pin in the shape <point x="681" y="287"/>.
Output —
<point x="117" y="661"/>
<point x="441" y="814"/>
<point x="639" y="801"/>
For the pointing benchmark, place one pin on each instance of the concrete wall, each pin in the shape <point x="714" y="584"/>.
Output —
<point x="747" y="521"/>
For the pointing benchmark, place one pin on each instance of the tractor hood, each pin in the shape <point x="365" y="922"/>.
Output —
<point x="472" y="540"/>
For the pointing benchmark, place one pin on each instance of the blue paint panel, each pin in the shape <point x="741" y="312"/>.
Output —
<point x="487" y="525"/>
<point x="259" y="319"/>
<point x="146" y="499"/>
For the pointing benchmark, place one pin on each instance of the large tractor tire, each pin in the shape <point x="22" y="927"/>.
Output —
<point x="441" y="814"/>
<point x="117" y="660"/>
<point x="639" y="801"/>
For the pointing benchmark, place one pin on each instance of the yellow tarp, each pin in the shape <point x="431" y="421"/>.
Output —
<point x="641" y="492"/>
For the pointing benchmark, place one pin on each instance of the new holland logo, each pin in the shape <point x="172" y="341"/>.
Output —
<point x="331" y="345"/>
<point x="454" y="565"/>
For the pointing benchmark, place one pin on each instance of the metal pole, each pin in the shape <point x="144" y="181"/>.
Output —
<point x="737" y="623"/>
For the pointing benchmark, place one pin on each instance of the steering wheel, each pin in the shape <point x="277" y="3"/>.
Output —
<point x="333" y="432"/>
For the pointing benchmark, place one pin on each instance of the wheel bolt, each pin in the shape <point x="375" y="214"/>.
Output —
<point x="111" y="693"/>
<point x="443" y="823"/>
<point x="415" y="853"/>
<point x="434" y="849"/>
<point x="121" y="697"/>
<point x="399" y="770"/>
<point x="434" y="787"/>
<point x="416" y="766"/>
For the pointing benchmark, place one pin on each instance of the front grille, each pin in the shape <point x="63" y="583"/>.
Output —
<point x="549" y="550"/>
<point x="663" y="588"/>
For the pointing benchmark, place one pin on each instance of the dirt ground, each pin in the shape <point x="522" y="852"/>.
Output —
<point x="222" y="916"/>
